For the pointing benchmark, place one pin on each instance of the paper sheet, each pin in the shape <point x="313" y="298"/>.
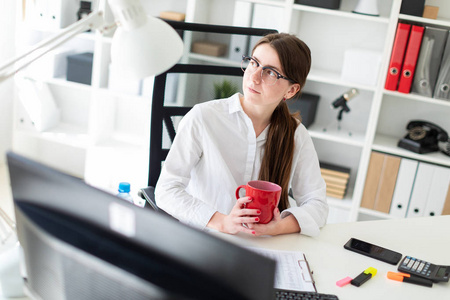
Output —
<point x="292" y="272"/>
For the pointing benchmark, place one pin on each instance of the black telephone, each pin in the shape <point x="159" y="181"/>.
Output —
<point x="425" y="137"/>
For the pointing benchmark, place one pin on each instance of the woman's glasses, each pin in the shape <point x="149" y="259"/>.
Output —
<point x="268" y="75"/>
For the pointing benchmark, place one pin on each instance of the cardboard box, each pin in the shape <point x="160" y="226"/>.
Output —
<point x="430" y="12"/>
<point x="172" y="15"/>
<point x="209" y="48"/>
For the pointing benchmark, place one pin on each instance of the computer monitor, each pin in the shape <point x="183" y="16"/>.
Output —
<point x="83" y="243"/>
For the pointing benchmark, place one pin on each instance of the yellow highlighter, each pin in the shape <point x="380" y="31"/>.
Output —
<point x="364" y="276"/>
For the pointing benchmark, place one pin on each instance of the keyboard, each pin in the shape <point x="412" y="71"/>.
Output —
<point x="298" y="295"/>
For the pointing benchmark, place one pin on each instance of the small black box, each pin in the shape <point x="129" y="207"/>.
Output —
<point x="79" y="67"/>
<point x="412" y="7"/>
<point x="307" y="105"/>
<point x="333" y="4"/>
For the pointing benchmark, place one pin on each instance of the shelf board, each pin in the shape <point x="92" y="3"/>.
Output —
<point x="438" y="22"/>
<point x="125" y="141"/>
<point x="345" y="203"/>
<point x="268" y="2"/>
<point x="341" y="13"/>
<point x="63" y="133"/>
<point x="339" y="136"/>
<point x="330" y="77"/>
<point x="375" y="213"/>
<point x="214" y="59"/>
<point x="388" y="144"/>
<point x="417" y="98"/>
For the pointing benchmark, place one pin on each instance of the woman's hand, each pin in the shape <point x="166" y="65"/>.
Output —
<point x="269" y="228"/>
<point x="277" y="226"/>
<point x="234" y="222"/>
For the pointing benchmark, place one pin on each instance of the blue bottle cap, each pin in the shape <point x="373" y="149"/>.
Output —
<point x="124" y="187"/>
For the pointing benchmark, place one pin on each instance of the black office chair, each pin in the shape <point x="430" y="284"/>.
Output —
<point x="162" y="115"/>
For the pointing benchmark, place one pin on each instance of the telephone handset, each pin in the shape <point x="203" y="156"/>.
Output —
<point x="424" y="137"/>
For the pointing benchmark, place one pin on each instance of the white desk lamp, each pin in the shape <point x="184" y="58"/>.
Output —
<point x="141" y="46"/>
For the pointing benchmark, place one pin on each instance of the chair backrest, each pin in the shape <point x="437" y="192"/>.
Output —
<point x="161" y="114"/>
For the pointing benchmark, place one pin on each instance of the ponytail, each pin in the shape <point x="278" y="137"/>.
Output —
<point x="279" y="151"/>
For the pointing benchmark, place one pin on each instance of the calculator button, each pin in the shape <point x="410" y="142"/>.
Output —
<point x="410" y="264"/>
<point x="421" y="265"/>
<point x="414" y="267"/>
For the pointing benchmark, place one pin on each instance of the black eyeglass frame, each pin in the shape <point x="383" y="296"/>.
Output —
<point x="249" y="58"/>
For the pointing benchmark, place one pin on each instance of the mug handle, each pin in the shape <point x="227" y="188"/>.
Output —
<point x="238" y="190"/>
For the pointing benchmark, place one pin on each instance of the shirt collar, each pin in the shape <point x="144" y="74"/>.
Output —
<point x="235" y="103"/>
<point x="235" y="106"/>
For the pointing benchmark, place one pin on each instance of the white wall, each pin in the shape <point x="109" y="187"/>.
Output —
<point x="7" y="41"/>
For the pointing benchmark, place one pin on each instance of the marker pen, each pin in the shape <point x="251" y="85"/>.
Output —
<point x="364" y="276"/>
<point x="409" y="279"/>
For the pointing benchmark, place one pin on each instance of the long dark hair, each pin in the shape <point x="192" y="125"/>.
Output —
<point x="295" y="59"/>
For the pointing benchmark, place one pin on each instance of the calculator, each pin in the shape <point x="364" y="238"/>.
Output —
<point x="424" y="269"/>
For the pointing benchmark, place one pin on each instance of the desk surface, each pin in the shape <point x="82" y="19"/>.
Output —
<point x="424" y="238"/>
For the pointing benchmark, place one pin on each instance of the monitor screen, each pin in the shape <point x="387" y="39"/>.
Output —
<point x="82" y="243"/>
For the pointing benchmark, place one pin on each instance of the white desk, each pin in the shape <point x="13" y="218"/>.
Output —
<point x="424" y="238"/>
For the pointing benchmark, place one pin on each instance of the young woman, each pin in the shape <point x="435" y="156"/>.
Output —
<point x="224" y="143"/>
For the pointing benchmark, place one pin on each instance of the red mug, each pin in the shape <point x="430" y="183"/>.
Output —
<point x="265" y="195"/>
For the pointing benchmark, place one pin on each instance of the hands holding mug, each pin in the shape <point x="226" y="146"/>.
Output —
<point x="255" y="213"/>
<point x="258" y="207"/>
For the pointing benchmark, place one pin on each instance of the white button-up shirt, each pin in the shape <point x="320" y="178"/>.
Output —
<point x="216" y="150"/>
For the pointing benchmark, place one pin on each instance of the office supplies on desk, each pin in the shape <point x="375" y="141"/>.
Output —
<point x="364" y="276"/>
<point x="292" y="272"/>
<point x="344" y="281"/>
<point x="409" y="279"/>
<point x="373" y="251"/>
<point x="297" y="295"/>
<point x="424" y="269"/>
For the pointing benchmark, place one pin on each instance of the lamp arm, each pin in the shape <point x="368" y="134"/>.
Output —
<point x="92" y="21"/>
<point x="11" y="224"/>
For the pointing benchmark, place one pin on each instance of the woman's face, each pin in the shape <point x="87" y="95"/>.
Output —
<point x="256" y="92"/>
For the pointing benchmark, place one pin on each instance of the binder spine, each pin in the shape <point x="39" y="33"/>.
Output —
<point x="409" y="64"/>
<point x="442" y="89"/>
<point x="398" y="52"/>
<point x="422" y="80"/>
<point x="430" y="58"/>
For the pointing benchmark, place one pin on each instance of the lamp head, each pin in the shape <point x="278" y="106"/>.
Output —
<point x="142" y="46"/>
<point x="367" y="7"/>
